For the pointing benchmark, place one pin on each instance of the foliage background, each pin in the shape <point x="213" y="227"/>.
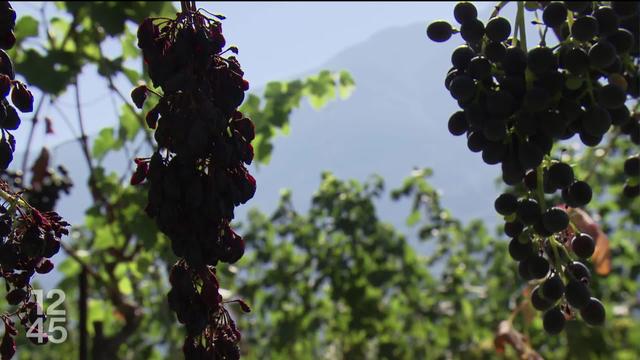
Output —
<point x="335" y="281"/>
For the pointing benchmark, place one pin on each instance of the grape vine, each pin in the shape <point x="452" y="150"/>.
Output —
<point x="197" y="175"/>
<point x="28" y="237"/>
<point x="516" y="103"/>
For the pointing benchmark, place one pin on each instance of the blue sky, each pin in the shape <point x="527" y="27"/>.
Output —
<point x="277" y="40"/>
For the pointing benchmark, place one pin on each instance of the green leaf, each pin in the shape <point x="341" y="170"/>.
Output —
<point x="52" y="73"/>
<point x="125" y="285"/>
<point x="129" y="45"/>
<point x="251" y="107"/>
<point x="262" y="149"/>
<point x="26" y="27"/>
<point x="346" y="85"/>
<point x="58" y="28"/>
<point x="129" y="124"/>
<point x="286" y="128"/>
<point x="132" y="75"/>
<point x="69" y="267"/>
<point x="96" y="310"/>
<point x="413" y="218"/>
<point x="320" y="89"/>
<point x="105" y="237"/>
<point x="105" y="142"/>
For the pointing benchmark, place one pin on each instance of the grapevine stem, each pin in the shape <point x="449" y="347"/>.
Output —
<point x="540" y="186"/>
<point x="521" y="26"/>
<point x="497" y="8"/>
<point x="12" y="199"/>
<point x="84" y="144"/>
<point x="541" y="33"/>
<point x="556" y="257"/>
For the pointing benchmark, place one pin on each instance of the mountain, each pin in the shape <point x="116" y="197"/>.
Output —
<point x="394" y="121"/>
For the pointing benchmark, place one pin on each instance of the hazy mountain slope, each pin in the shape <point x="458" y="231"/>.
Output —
<point x="395" y="120"/>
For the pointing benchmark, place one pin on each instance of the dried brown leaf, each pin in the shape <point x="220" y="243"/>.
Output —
<point x="39" y="168"/>
<point x="506" y="334"/>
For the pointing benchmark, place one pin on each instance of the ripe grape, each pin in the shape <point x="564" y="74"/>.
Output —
<point x="458" y="124"/>
<point x="578" y="270"/>
<point x="498" y="29"/>
<point x="554" y="14"/>
<point x="472" y="31"/>
<point x="560" y="175"/>
<point x="538" y="267"/>
<point x="439" y="31"/>
<point x="541" y="59"/>
<point x="583" y="245"/>
<point x="511" y="229"/>
<point x="577" y="294"/>
<point x="553" y="321"/>
<point x="461" y="57"/>
<point x="602" y="54"/>
<point x="555" y="220"/>
<point x="506" y="204"/>
<point x="608" y="21"/>
<point x="539" y="302"/>
<point x="553" y="288"/>
<point x="622" y="40"/>
<point x="462" y="88"/>
<point x="465" y="11"/>
<point x="593" y="313"/>
<point x="584" y="28"/>
<point x="632" y="166"/>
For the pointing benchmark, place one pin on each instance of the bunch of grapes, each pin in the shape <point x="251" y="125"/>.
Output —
<point x="198" y="175"/>
<point x="516" y="103"/>
<point x="21" y="97"/>
<point x="28" y="239"/>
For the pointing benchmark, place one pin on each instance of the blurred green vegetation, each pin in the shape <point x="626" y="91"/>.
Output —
<point x="336" y="282"/>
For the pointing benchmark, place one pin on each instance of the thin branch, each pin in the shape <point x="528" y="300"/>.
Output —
<point x="498" y="8"/>
<point x="125" y="147"/>
<point x="520" y="24"/>
<point x="66" y="120"/>
<point x="74" y="255"/>
<point x="139" y="117"/>
<point x="34" y="120"/>
<point x="84" y="143"/>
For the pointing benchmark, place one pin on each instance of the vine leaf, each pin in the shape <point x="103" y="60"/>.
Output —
<point x="26" y="27"/>
<point x="105" y="142"/>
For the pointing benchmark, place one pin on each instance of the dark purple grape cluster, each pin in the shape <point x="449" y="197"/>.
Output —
<point x="21" y="97"/>
<point x="197" y="176"/>
<point x="198" y="305"/>
<point x="516" y="103"/>
<point x="28" y="239"/>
